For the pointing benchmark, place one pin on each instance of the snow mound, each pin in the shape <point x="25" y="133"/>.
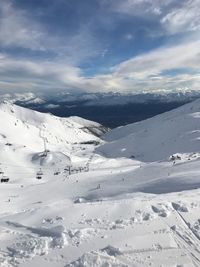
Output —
<point x="28" y="246"/>
<point x="105" y="257"/>
<point x="51" y="159"/>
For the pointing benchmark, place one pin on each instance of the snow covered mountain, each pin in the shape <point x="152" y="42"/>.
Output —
<point x="101" y="99"/>
<point x="73" y="200"/>
<point x="157" y="138"/>
<point x="27" y="97"/>
<point x="31" y="138"/>
<point x="116" y="98"/>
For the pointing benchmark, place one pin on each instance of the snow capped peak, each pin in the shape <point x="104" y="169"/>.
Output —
<point x="28" y="97"/>
<point x="22" y="114"/>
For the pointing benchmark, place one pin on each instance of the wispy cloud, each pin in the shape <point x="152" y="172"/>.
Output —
<point x="173" y="16"/>
<point x="184" y="18"/>
<point x="60" y="55"/>
<point x="20" y="29"/>
<point x="154" y="62"/>
<point x="38" y="75"/>
<point x="17" y="29"/>
<point x="144" y="72"/>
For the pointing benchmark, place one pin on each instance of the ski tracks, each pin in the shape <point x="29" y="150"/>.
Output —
<point x="186" y="239"/>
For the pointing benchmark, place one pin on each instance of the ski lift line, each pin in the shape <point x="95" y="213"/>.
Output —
<point x="62" y="170"/>
<point x="28" y="174"/>
<point x="62" y="167"/>
<point x="49" y="170"/>
<point x="34" y="170"/>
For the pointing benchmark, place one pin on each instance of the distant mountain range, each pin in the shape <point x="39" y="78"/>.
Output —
<point x="99" y="99"/>
<point x="109" y="109"/>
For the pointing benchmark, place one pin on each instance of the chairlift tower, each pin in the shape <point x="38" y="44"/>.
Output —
<point x="45" y="143"/>
<point x="45" y="147"/>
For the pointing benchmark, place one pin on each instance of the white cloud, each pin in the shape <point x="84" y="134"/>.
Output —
<point x="17" y="29"/>
<point x="173" y="16"/>
<point x="139" y="7"/>
<point x="184" y="18"/>
<point x="144" y="72"/>
<point x="136" y="74"/>
<point x="181" y="56"/>
<point x="28" y="75"/>
<point x="77" y="47"/>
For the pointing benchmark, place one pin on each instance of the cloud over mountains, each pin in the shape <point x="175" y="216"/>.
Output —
<point x="124" y="46"/>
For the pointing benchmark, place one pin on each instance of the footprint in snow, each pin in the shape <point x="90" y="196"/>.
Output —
<point x="161" y="210"/>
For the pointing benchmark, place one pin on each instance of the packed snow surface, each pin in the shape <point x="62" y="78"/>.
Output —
<point x="78" y="199"/>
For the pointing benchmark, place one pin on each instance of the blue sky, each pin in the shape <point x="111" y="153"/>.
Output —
<point x="126" y="46"/>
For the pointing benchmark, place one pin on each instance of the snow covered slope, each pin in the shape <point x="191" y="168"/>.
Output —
<point x="26" y="135"/>
<point x="176" y="131"/>
<point x="116" y="212"/>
